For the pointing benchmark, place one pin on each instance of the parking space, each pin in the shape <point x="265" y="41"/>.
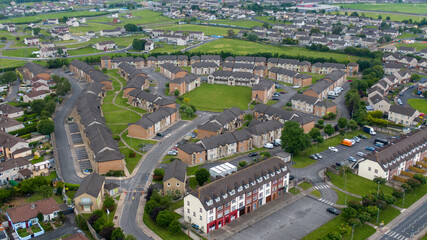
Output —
<point x="292" y="222"/>
<point x="77" y="139"/>
<point x="74" y="128"/>
<point x="170" y="129"/>
<point x="85" y="165"/>
<point x="81" y="153"/>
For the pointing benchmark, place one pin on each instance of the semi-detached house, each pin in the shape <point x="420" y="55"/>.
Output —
<point x="150" y="124"/>
<point x="402" y="115"/>
<point x="392" y="159"/>
<point x="216" y="204"/>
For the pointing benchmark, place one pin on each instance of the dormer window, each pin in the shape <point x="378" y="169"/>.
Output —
<point x="279" y="171"/>
<point x="210" y="202"/>
<point x="217" y="199"/>
<point x="225" y="196"/>
<point x="266" y="177"/>
<point x="240" y="189"/>
<point x="259" y="179"/>
<point x="273" y="174"/>
<point x="232" y="192"/>
<point x="284" y="168"/>
<point x="247" y="186"/>
<point x="253" y="183"/>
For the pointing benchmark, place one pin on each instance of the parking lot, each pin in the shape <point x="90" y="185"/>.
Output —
<point x="292" y="222"/>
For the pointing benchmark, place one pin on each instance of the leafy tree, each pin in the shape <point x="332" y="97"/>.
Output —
<point x="189" y="111"/>
<point x="202" y="176"/>
<point x="60" y="51"/>
<point x="315" y="133"/>
<point x="8" y="77"/>
<point x="81" y="222"/>
<point x="379" y="180"/>
<point x="45" y="191"/>
<point x="50" y="107"/>
<point x="106" y="232"/>
<point x="415" y="77"/>
<point x="174" y="226"/>
<point x="3" y="39"/>
<point x="372" y="210"/>
<point x="98" y="224"/>
<point x="40" y="216"/>
<point x="231" y="34"/>
<point x="413" y="183"/>
<point x="186" y="100"/>
<point x="5" y="193"/>
<point x="36" y="31"/>
<point x="342" y="122"/>
<point x="164" y="218"/>
<point x="252" y="37"/>
<point x="421" y="178"/>
<point x="344" y="228"/>
<point x="155" y="212"/>
<point x="314" y="31"/>
<point x="387" y="18"/>
<point x="176" y="92"/>
<point x="242" y="163"/>
<point x="349" y="212"/>
<point x="364" y="217"/>
<point x="352" y="124"/>
<point x="117" y="234"/>
<point x="425" y="94"/>
<point x="45" y="127"/>
<point x="109" y="203"/>
<point x="130" y="27"/>
<point x="137" y="45"/>
<point x="130" y="237"/>
<point x="293" y="138"/>
<point x="329" y="129"/>
<point x="354" y="222"/>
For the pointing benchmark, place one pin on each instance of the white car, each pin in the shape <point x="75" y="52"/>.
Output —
<point x="361" y="154"/>
<point x="268" y="146"/>
<point x="333" y="149"/>
<point x="172" y="153"/>
<point x="296" y="86"/>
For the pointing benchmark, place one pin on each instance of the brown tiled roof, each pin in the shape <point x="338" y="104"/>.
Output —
<point x="27" y="212"/>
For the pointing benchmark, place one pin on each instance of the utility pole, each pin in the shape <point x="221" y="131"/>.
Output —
<point x="403" y="202"/>
<point x="345" y="186"/>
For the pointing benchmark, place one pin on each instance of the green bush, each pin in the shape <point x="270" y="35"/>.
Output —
<point x="26" y="130"/>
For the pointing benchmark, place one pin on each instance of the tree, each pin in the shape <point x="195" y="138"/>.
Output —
<point x="40" y="216"/>
<point x="155" y="212"/>
<point x="231" y="34"/>
<point x="329" y="130"/>
<point x="349" y="212"/>
<point x="342" y="122"/>
<point x="174" y="226"/>
<point x="130" y="237"/>
<point x="130" y="27"/>
<point x="425" y="94"/>
<point x="176" y="92"/>
<point x="186" y="100"/>
<point x="60" y="51"/>
<point x="81" y="222"/>
<point x="117" y="234"/>
<point x="314" y="31"/>
<point x="106" y="232"/>
<point x="344" y="229"/>
<point x="164" y="218"/>
<point x="137" y="45"/>
<point x="352" y="124"/>
<point x="242" y="163"/>
<point x="315" y="133"/>
<point x="36" y="31"/>
<point x="379" y="180"/>
<point x="364" y="217"/>
<point x="45" y="127"/>
<point x="293" y="138"/>
<point x="406" y="187"/>
<point x="189" y="111"/>
<point x="252" y="37"/>
<point x="50" y="107"/>
<point x="202" y="176"/>
<point x="3" y="39"/>
<point x="109" y="203"/>
<point x="45" y="191"/>
<point x="8" y="77"/>
<point x="387" y="18"/>
<point x="415" y="77"/>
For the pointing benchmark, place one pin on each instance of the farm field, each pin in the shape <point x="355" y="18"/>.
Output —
<point x="7" y="63"/>
<point x="393" y="16"/>
<point x="39" y="17"/>
<point x="208" y="30"/>
<point x="389" y="7"/>
<point x="246" y="47"/>
<point x="216" y="98"/>
<point x="418" y="46"/>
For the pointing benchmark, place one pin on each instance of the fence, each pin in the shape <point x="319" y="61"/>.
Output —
<point x="91" y="230"/>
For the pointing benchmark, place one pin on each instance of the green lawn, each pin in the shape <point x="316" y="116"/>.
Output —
<point x="316" y="193"/>
<point x="131" y="162"/>
<point x="360" y="233"/>
<point x="301" y="160"/>
<point x="177" y="204"/>
<point x="22" y="52"/>
<point x="71" y="193"/>
<point x="419" y="104"/>
<point x="315" y="76"/>
<point x="124" y="116"/>
<point x="208" y="30"/>
<point x="110" y="107"/>
<point x="357" y="185"/>
<point x="294" y="190"/>
<point x="163" y="232"/>
<point x="305" y="185"/>
<point x="267" y="19"/>
<point x="246" y="47"/>
<point x="91" y="26"/>
<point x="167" y="48"/>
<point x="393" y="16"/>
<point x="82" y="51"/>
<point x="412" y="196"/>
<point x="341" y="197"/>
<point x="238" y="23"/>
<point x="389" y="7"/>
<point x="417" y="46"/>
<point x="117" y="129"/>
<point x="216" y="98"/>
<point x="37" y="197"/>
<point x="192" y="182"/>
<point x="407" y="35"/>
<point x="135" y="143"/>
<point x="148" y="16"/>
<point x="386" y="215"/>
<point x="40" y="17"/>
<point x="192" y="170"/>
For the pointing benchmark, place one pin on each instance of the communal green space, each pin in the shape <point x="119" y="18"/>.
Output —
<point x="237" y="23"/>
<point x="301" y="160"/>
<point x="21" y="52"/>
<point x="417" y="46"/>
<point x="341" y="197"/>
<point x="389" y="7"/>
<point x="243" y="47"/>
<point x="360" y="233"/>
<point x="136" y="143"/>
<point x="149" y="17"/>
<point x="40" y="17"/>
<point x="120" y="41"/>
<point x="357" y="185"/>
<point x="419" y="104"/>
<point x="386" y="215"/>
<point x="82" y="51"/>
<point x="316" y="193"/>
<point x="208" y="30"/>
<point x="124" y="116"/>
<point x="167" y="48"/>
<point x="163" y="233"/>
<point x="267" y="19"/>
<point x="315" y="76"/>
<point x="131" y="158"/>
<point x="305" y="185"/>
<point x="91" y="26"/>
<point x="412" y="196"/>
<point x="393" y="16"/>
<point x="216" y="98"/>
<point x="408" y="35"/>
<point x="8" y="63"/>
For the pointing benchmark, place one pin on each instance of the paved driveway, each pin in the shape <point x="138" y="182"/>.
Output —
<point x="292" y="222"/>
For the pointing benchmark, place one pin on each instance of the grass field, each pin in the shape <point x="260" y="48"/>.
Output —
<point x="131" y="162"/>
<point x="23" y="52"/>
<point x="419" y="104"/>
<point x="305" y="185"/>
<point x="91" y="27"/>
<point x="216" y="98"/>
<point x="341" y="197"/>
<point x="386" y="215"/>
<point x="148" y="16"/>
<point x="412" y="196"/>
<point x="81" y="51"/>
<point x="7" y="63"/>
<point x="246" y="47"/>
<point x="389" y="7"/>
<point x="407" y="35"/>
<point x="315" y="76"/>
<point x="239" y="23"/>
<point x="40" y="17"/>
<point x="208" y="30"/>
<point x="301" y="160"/>
<point x="267" y="19"/>
<point x="120" y="41"/>
<point x="418" y="46"/>
<point x="316" y="193"/>
<point x="360" y="233"/>
<point x="393" y="16"/>
<point x="167" y="48"/>
<point x="357" y="185"/>
<point x="163" y="233"/>
<point x="136" y="143"/>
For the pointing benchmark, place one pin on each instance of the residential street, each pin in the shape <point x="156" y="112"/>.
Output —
<point x="14" y="91"/>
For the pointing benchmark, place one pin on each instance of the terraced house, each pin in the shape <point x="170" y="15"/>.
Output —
<point x="218" y="203"/>
<point x="31" y="70"/>
<point x="184" y="84"/>
<point x="108" y="63"/>
<point x="128" y="71"/>
<point x="88" y="73"/>
<point x="148" y="101"/>
<point x="233" y="78"/>
<point x="150" y="124"/>
<point x="228" y="120"/>
<point x="393" y="159"/>
<point x="171" y="71"/>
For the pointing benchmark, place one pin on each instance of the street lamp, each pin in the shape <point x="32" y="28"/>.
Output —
<point x="345" y="186"/>
<point x="378" y="195"/>
<point x="403" y="202"/>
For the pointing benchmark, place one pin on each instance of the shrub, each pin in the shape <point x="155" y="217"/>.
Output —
<point x="242" y="163"/>
<point x="265" y="154"/>
<point x="159" y="172"/>
<point x="397" y="193"/>
<point x="155" y="212"/>
<point x="81" y="222"/>
<point x="164" y="218"/>
<point x="109" y="203"/>
<point x="174" y="226"/>
<point x="116" y="137"/>
<point x="422" y="179"/>
<point x="176" y="92"/>
<point x="115" y="173"/>
<point x="132" y="154"/>
<point x="413" y="183"/>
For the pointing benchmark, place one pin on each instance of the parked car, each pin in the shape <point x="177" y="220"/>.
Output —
<point x="357" y="139"/>
<point x="296" y="86"/>
<point x="370" y="148"/>
<point x="275" y="98"/>
<point x="401" y="94"/>
<point x="399" y="101"/>
<point x="276" y="94"/>
<point x="378" y="144"/>
<point x="339" y="164"/>
<point x="253" y="154"/>
<point x="333" y="210"/>
<point x="277" y="85"/>
<point x="192" y="135"/>
<point x="362" y="136"/>
<point x="282" y="92"/>
<point x="172" y="153"/>
<point x="318" y="155"/>
<point x="361" y="154"/>
<point x="291" y="177"/>
<point x="313" y="156"/>
<point x="333" y="149"/>
<point x="268" y="146"/>
<point x="331" y="97"/>
<point x="160" y="134"/>
<point x="352" y="159"/>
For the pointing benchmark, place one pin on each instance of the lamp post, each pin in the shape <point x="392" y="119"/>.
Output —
<point x="352" y="232"/>
<point x="403" y="201"/>
<point x="345" y="186"/>
<point x="378" y="194"/>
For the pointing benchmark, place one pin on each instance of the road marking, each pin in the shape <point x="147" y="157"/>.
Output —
<point x="322" y="187"/>
<point x="325" y="201"/>
<point x="396" y="235"/>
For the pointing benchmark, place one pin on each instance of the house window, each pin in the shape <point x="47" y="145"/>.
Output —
<point x="194" y="214"/>
<point x="188" y="210"/>
<point x="200" y="218"/>
<point x="200" y="209"/>
<point x="369" y="169"/>
<point x="177" y="184"/>
<point x="376" y="170"/>
<point x="169" y="184"/>
<point x="188" y="203"/>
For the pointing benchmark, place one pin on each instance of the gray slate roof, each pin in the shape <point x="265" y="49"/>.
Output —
<point x="91" y="185"/>
<point x="176" y="169"/>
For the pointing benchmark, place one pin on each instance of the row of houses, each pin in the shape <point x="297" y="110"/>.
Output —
<point x="394" y="62"/>
<point x="151" y="124"/>
<point x="84" y="71"/>
<point x="321" y="88"/>
<point x="405" y="50"/>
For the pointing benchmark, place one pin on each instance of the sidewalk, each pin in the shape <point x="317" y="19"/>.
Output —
<point x="398" y="219"/>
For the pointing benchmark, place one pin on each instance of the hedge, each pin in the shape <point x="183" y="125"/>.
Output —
<point x="26" y="130"/>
